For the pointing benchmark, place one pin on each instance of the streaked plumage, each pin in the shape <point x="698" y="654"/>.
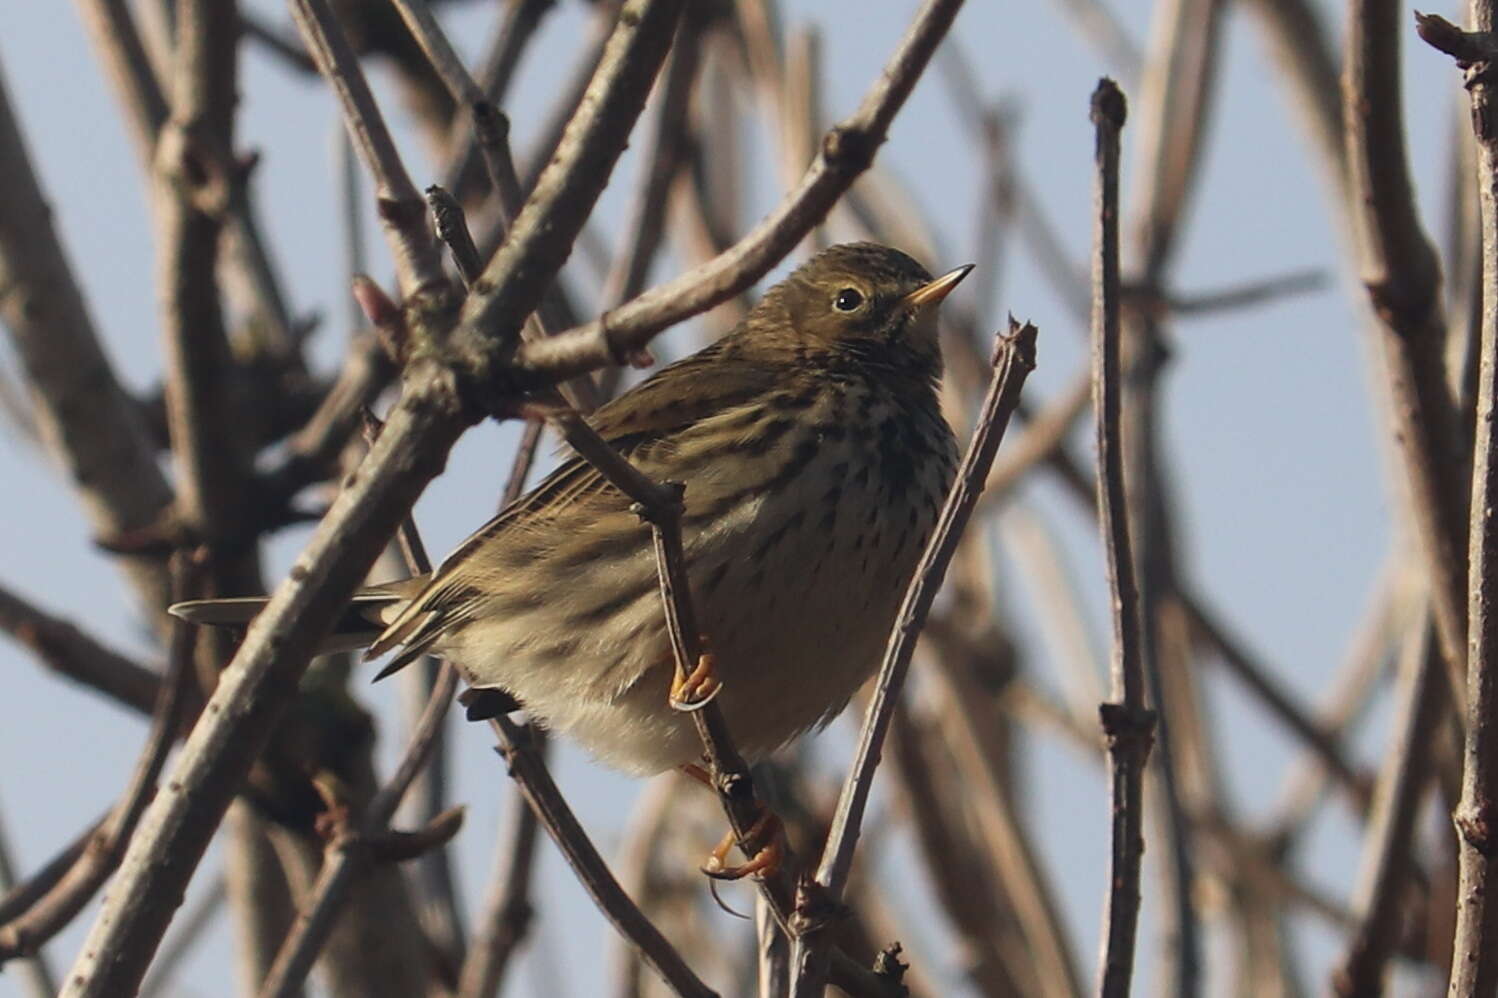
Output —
<point x="815" y="459"/>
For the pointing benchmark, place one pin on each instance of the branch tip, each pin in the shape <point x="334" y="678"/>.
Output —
<point x="1109" y="106"/>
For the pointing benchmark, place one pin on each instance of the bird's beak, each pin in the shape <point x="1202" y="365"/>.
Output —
<point x="934" y="291"/>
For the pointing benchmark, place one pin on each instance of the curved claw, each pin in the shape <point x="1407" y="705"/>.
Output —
<point x="766" y="859"/>
<point x="712" y="888"/>
<point x="698" y="689"/>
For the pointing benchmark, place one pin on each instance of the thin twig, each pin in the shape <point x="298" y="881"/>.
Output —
<point x="1474" y="961"/>
<point x="1247" y="295"/>
<point x="1379" y="903"/>
<point x="490" y="127"/>
<point x="496" y="70"/>
<point x="506" y="916"/>
<point x="402" y="212"/>
<point x="530" y="774"/>
<point x="65" y="649"/>
<point x="50" y="912"/>
<point x="646" y="227"/>
<point x="660" y="505"/>
<point x="35" y="972"/>
<point x="1128" y="725"/>
<point x="351" y="851"/>
<point x="1171" y="120"/>
<point x="1013" y="360"/>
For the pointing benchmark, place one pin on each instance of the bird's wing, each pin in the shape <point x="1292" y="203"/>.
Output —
<point x="649" y="415"/>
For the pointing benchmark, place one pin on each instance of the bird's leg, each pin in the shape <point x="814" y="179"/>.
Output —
<point x="763" y="838"/>
<point x="697" y="689"/>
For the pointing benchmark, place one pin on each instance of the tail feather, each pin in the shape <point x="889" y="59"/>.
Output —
<point x="360" y="624"/>
<point x="219" y="612"/>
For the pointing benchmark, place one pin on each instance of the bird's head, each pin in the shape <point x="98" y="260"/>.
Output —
<point x="871" y="302"/>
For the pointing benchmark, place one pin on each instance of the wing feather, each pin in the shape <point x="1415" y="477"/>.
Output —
<point x="708" y="382"/>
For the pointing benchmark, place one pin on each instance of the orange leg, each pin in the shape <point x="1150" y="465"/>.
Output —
<point x="764" y="837"/>
<point x="697" y="773"/>
<point x="696" y="690"/>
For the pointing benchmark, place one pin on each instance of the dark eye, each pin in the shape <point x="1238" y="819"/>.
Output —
<point x="847" y="300"/>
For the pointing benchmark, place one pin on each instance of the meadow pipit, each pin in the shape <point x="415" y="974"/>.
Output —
<point x="815" y="459"/>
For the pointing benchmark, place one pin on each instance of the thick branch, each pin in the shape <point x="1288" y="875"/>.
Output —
<point x="420" y="432"/>
<point x="1403" y="277"/>
<point x="88" y="423"/>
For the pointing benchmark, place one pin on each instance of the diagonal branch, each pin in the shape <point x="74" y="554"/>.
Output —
<point x="51" y="911"/>
<point x="847" y="150"/>
<point x="418" y="435"/>
<point x="1013" y="360"/>
<point x="1403" y="277"/>
<point x="88" y="424"/>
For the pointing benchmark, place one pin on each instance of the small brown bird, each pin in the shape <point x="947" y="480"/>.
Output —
<point x="815" y="460"/>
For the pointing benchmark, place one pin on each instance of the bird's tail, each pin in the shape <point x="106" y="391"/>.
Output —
<point x="362" y="621"/>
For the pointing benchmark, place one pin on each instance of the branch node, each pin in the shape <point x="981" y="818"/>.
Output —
<point x="848" y="150"/>
<point x="814" y="910"/>
<point x="1475" y="827"/>
<point x="1108" y="104"/>
<point x="1127" y="727"/>
<point x="888" y="965"/>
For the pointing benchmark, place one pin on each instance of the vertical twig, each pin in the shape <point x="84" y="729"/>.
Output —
<point x="1127" y="724"/>
<point x="35" y="971"/>
<point x="1403" y="276"/>
<point x="1379" y="904"/>
<point x="1474" y="959"/>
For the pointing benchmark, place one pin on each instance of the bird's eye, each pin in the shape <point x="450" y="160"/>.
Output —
<point x="847" y="300"/>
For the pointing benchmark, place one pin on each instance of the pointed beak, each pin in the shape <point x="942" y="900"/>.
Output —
<point x="935" y="291"/>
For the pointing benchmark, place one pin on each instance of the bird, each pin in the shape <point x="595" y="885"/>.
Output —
<point x="814" y="457"/>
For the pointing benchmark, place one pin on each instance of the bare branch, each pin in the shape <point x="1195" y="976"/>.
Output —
<point x="1403" y="277"/>
<point x="1389" y="844"/>
<point x="418" y="435"/>
<point x="1128" y="725"/>
<point x="1013" y="359"/>
<point x="49" y="913"/>
<point x="1474" y="960"/>
<point x="402" y="211"/>
<point x="65" y="649"/>
<point x="90" y="427"/>
<point x="847" y="150"/>
<point x="352" y="851"/>
<point x="507" y="911"/>
<point x="529" y="772"/>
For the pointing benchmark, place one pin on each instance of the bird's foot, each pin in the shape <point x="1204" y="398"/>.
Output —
<point x="698" y="689"/>
<point x="763" y="837"/>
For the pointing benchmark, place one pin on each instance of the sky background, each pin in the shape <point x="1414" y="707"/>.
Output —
<point x="1284" y="510"/>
